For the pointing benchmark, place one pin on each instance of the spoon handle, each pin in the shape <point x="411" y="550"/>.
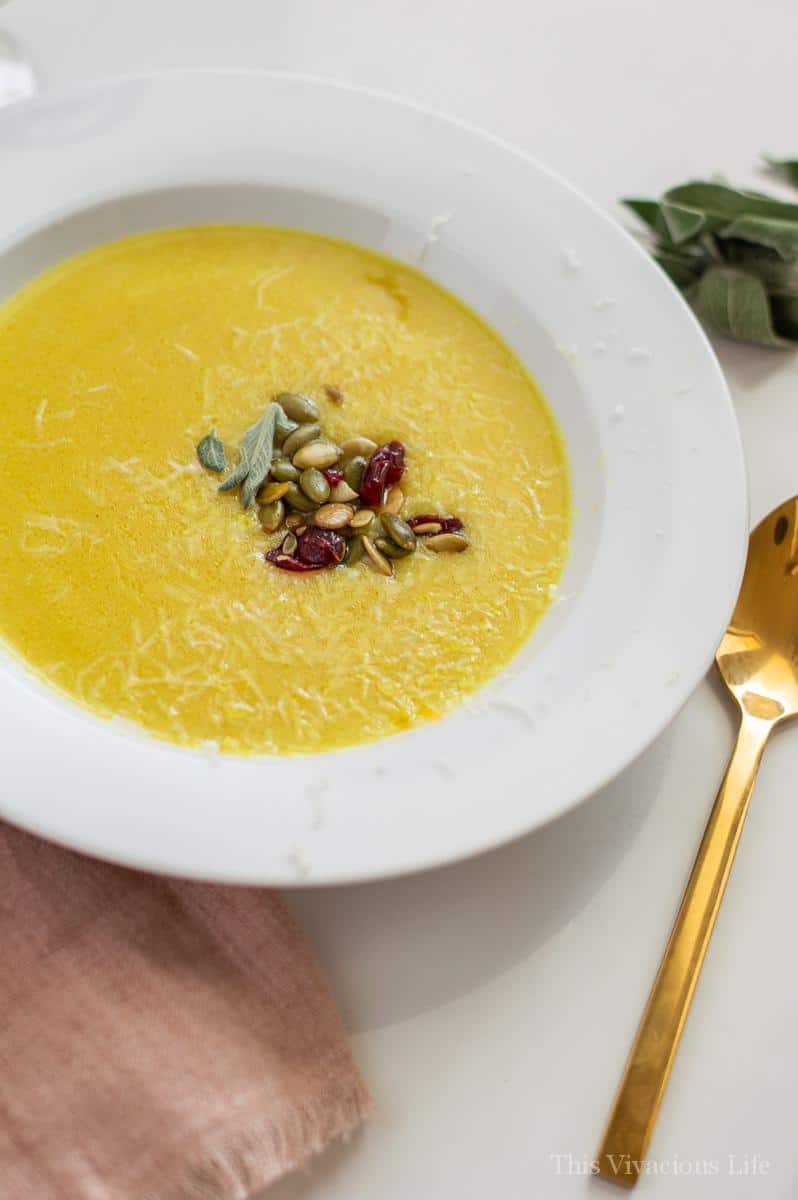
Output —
<point x="645" y="1077"/>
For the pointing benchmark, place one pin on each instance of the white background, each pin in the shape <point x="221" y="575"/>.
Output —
<point x="491" y="1004"/>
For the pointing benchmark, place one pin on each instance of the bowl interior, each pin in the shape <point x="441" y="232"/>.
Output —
<point x="468" y="278"/>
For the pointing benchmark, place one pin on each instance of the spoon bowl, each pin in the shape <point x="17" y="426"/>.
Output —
<point x="758" y="656"/>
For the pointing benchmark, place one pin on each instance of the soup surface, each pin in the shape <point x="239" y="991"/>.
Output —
<point x="129" y="583"/>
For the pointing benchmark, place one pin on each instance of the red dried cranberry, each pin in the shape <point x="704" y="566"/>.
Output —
<point x="387" y="466"/>
<point x="315" y="549"/>
<point x="333" y="476"/>
<point x="286" y="563"/>
<point x="320" y="547"/>
<point x="447" y="524"/>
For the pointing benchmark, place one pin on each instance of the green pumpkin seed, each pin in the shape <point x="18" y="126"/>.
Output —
<point x="354" y="551"/>
<point x="298" y="407"/>
<point x="284" y="471"/>
<point x="333" y="516"/>
<point x="314" y="485"/>
<point x="342" y="493"/>
<point x="300" y="437"/>
<point x="271" y="492"/>
<point x="378" y="560"/>
<point x="354" y="471"/>
<point x="398" y="531"/>
<point x="271" y="515"/>
<point x="289" y="544"/>
<point x="390" y="549"/>
<point x="295" y="521"/>
<point x="318" y="454"/>
<point x="358" y="447"/>
<point x="447" y="543"/>
<point x="362" y="518"/>
<point x="297" y="499"/>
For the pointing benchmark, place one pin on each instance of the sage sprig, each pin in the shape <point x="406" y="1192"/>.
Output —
<point x="257" y="451"/>
<point x="733" y="253"/>
<point x="210" y="452"/>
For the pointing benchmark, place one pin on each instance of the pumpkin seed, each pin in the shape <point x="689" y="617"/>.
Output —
<point x="429" y="527"/>
<point x="394" y="500"/>
<point x="289" y="544"/>
<point x="398" y="531"/>
<point x="300" y="437"/>
<point x="376" y="528"/>
<point x="284" y="471"/>
<point x="298" y="500"/>
<point x="390" y="549"/>
<point x="294" y="521"/>
<point x="271" y="492"/>
<point x="271" y="515"/>
<point x="354" y="472"/>
<point x="317" y="453"/>
<point x="354" y="551"/>
<point x="314" y="485"/>
<point x="358" y="446"/>
<point x="298" y="407"/>
<point x="333" y="516"/>
<point x="378" y="560"/>
<point x="342" y="493"/>
<point x="362" y="518"/>
<point x="447" y="543"/>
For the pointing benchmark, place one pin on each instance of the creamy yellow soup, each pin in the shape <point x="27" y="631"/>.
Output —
<point x="129" y="583"/>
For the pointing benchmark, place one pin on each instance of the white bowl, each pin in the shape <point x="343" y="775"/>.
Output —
<point x="658" y="479"/>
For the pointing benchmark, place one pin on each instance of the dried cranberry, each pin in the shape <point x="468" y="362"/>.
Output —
<point x="333" y="476"/>
<point x="286" y="563"/>
<point x="447" y="524"/>
<point x="315" y="549"/>
<point x="320" y="547"/>
<point x="387" y="466"/>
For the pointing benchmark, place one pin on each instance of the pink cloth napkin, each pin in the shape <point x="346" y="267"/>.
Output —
<point x="159" y="1040"/>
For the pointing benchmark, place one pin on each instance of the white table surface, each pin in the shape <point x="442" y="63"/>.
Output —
<point x="491" y="1004"/>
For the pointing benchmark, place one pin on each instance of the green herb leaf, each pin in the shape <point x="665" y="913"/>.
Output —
<point x="786" y="167"/>
<point x="210" y="452"/>
<point x="735" y="303"/>
<point x="781" y="236"/>
<point x="673" y="223"/>
<point x="647" y="210"/>
<point x="257" y="451"/>
<point x="683" y="269"/>
<point x="721" y="204"/>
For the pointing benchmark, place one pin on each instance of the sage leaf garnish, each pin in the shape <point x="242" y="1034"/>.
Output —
<point x="210" y="452"/>
<point x="733" y="253"/>
<point x="257" y="451"/>
<point x="736" y="304"/>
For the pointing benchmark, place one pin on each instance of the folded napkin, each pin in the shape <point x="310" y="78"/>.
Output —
<point x="159" y="1040"/>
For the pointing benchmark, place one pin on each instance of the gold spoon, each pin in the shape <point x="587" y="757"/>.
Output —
<point x="758" y="660"/>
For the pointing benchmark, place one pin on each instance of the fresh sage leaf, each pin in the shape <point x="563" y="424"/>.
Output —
<point x="681" y="222"/>
<point x="786" y="167"/>
<point x="210" y="452"/>
<point x="682" y="269"/>
<point x="673" y="223"/>
<point x="781" y="236"/>
<point x="733" y="253"/>
<point x="257" y="451"/>
<point x="732" y="302"/>
<point x="721" y="204"/>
